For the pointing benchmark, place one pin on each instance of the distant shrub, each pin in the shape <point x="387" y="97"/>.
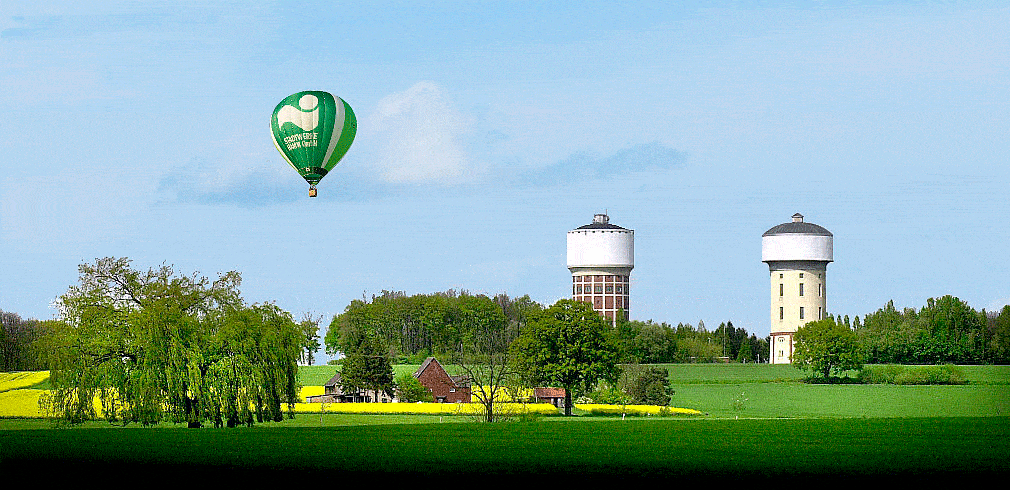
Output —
<point x="635" y="410"/>
<point x="604" y="395"/>
<point x="946" y="374"/>
<point x="411" y="390"/>
<point x="879" y="374"/>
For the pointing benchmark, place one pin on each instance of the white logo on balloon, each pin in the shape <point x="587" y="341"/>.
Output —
<point x="306" y="118"/>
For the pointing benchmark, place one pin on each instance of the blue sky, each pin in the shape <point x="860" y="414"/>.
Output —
<point x="487" y="130"/>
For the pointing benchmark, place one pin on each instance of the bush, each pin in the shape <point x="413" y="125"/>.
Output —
<point x="946" y="374"/>
<point x="410" y="390"/>
<point x="605" y="395"/>
<point x="652" y="387"/>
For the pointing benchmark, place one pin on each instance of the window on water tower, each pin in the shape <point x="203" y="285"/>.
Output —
<point x="801" y="289"/>
<point x="820" y="312"/>
<point x="820" y="290"/>
<point x="598" y="289"/>
<point x="801" y="313"/>
<point x="782" y="289"/>
<point x="782" y="313"/>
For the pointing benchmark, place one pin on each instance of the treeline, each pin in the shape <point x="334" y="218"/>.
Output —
<point x="20" y="347"/>
<point x="653" y="343"/>
<point x="414" y="327"/>
<point x="945" y="330"/>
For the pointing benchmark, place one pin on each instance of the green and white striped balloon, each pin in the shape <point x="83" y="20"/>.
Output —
<point x="313" y="130"/>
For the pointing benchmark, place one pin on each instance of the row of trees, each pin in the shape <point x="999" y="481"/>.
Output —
<point x="414" y="327"/>
<point x="945" y="330"/>
<point x="656" y="343"/>
<point x="155" y="345"/>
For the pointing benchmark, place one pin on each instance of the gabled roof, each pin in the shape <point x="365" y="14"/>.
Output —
<point x="424" y="365"/>
<point x="459" y="381"/>
<point x="545" y="392"/>
<point x="334" y="381"/>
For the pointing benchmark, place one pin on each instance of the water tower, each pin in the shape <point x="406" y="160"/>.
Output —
<point x="601" y="256"/>
<point x="797" y="254"/>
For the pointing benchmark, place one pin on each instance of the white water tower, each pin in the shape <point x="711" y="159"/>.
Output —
<point x="600" y="257"/>
<point x="797" y="254"/>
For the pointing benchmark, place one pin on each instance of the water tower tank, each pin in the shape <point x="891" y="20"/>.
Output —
<point x="797" y="254"/>
<point x="600" y="258"/>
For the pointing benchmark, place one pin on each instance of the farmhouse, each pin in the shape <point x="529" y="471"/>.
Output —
<point x="444" y="388"/>
<point x="334" y="393"/>
<point x="554" y="396"/>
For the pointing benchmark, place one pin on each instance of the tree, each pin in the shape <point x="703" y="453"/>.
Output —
<point x="651" y="386"/>
<point x="367" y="367"/>
<point x="486" y="329"/>
<point x="153" y="345"/>
<point x="746" y="353"/>
<point x="310" y="331"/>
<point x="569" y="345"/>
<point x="999" y="324"/>
<point x="826" y="347"/>
<point x="410" y="390"/>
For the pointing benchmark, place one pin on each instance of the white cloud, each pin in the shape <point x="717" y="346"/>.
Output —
<point x="419" y="134"/>
<point x="240" y="168"/>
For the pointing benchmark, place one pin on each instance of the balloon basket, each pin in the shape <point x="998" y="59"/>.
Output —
<point x="312" y="191"/>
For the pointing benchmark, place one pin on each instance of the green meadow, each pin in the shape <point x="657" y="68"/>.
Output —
<point x="762" y="422"/>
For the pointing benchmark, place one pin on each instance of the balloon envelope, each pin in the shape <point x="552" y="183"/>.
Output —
<point x="313" y="130"/>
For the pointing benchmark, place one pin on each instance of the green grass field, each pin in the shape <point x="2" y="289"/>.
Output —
<point x="779" y="428"/>
<point x="913" y="449"/>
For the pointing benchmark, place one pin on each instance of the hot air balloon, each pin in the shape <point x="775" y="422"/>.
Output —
<point x="313" y="131"/>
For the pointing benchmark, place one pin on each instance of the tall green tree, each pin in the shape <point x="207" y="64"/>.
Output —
<point x="567" y="345"/>
<point x="310" y="338"/>
<point x="155" y="345"/>
<point x="999" y="325"/>
<point x="488" y="327"/>
<point x="826" y="347"/>
<point x="368" y="367"/>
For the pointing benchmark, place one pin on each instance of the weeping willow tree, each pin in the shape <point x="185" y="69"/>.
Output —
<point x="155" y="345"/>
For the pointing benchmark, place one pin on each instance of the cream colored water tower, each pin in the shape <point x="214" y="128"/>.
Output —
<point x="600" y="257"/>
<point x="797" y="254"/>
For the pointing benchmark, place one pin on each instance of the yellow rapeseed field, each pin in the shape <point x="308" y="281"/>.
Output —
<point x="21" y="379"/>
<point x="420" y="408"/>
<point x="21" y="403"/>
<point x="17" y="401"/>
<point x="308" y="391"/>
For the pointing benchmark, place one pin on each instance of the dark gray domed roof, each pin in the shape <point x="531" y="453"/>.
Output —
<point x="799" y="227"/>
<point x="600" y="226"/>
<point x="600" y="222"/>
